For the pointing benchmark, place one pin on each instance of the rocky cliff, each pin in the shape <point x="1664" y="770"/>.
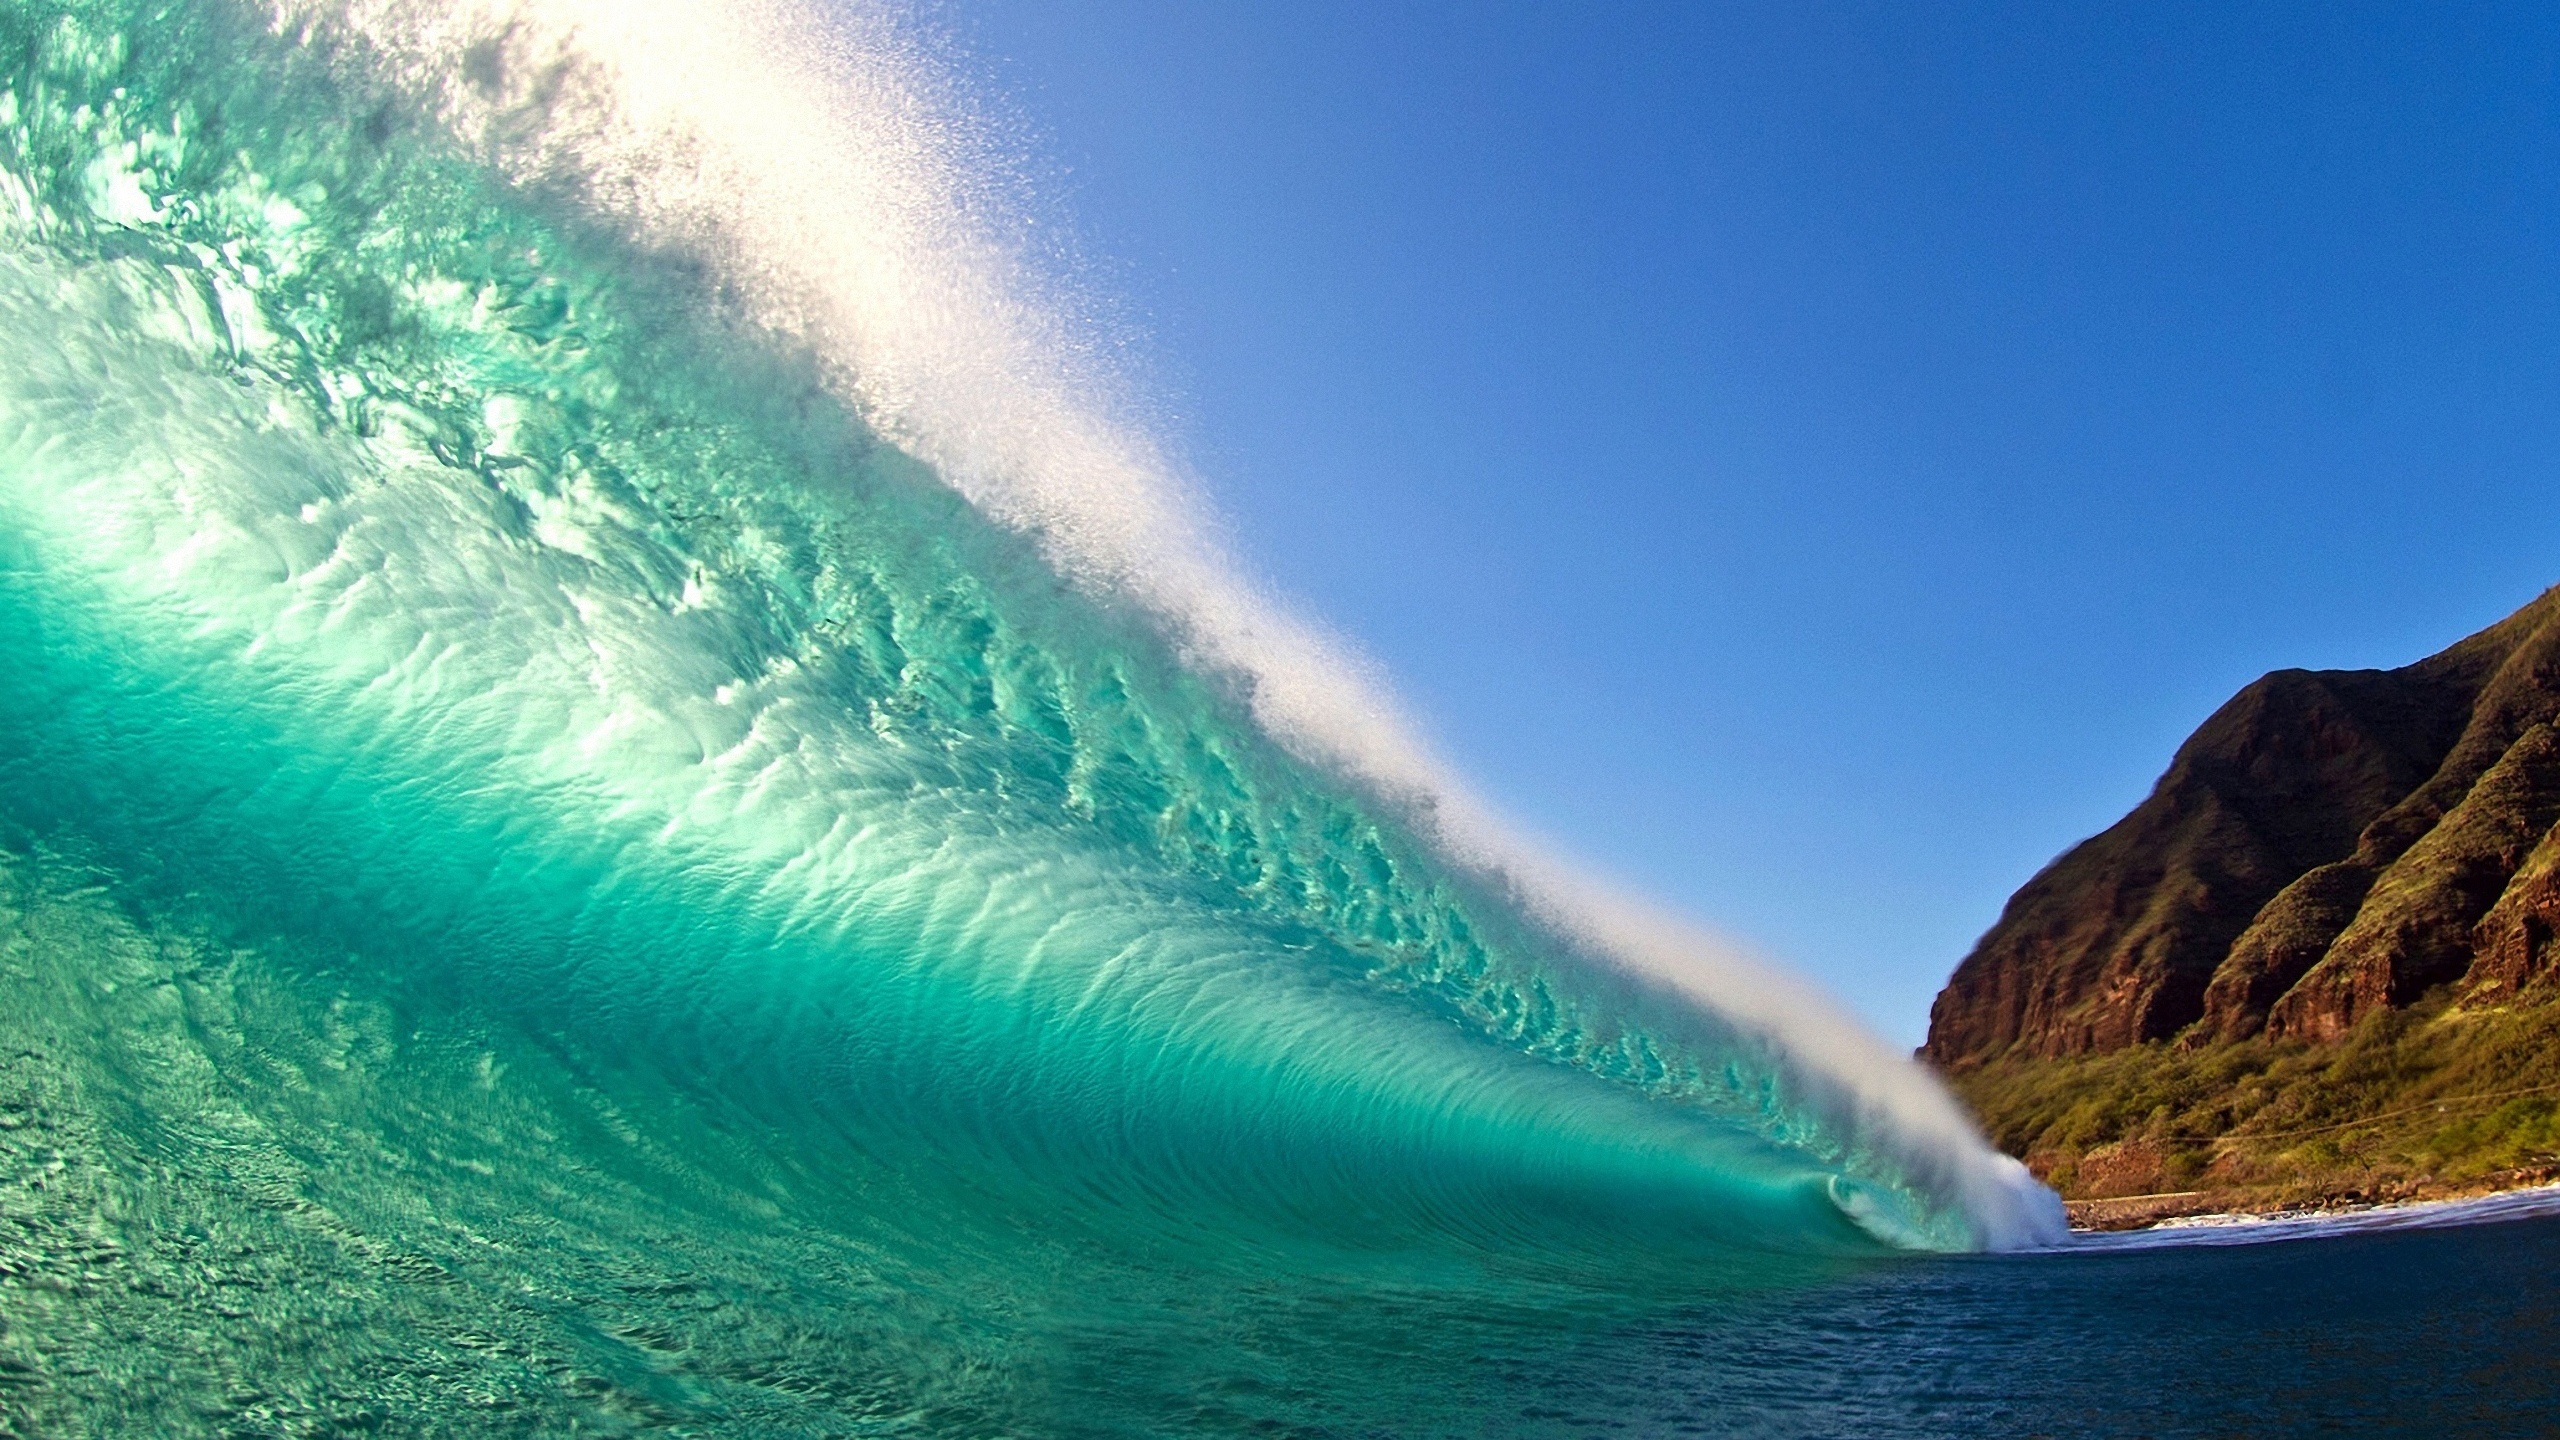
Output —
<point x="2329" y="845"/>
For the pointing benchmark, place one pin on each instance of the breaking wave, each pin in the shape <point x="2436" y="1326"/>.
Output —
<point x="617" y="742"/>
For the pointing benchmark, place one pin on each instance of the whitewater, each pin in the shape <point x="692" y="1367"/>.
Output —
<point x="637" y="800"/>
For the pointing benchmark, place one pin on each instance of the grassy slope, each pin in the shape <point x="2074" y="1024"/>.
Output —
<point x="2431" y="1100"/>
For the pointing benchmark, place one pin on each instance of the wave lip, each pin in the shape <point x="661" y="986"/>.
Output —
<point x="949" y="340"/>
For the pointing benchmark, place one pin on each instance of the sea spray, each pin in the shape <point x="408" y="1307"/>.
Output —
<point x="597" y="706"/>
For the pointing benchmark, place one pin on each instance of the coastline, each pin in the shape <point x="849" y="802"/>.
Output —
<point x="2530" y="1190"/>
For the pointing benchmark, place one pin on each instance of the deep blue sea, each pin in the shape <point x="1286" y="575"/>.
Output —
<point x="2435" y="1332"/>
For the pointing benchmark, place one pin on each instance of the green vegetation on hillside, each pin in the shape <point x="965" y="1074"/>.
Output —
<point x="2434" y="1099"/>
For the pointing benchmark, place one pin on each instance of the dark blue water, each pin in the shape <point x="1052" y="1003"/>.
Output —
<point x="2443" y="1332"/>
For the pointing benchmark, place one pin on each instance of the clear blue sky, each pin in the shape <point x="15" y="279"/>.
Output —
<point x="1817" y="461"/>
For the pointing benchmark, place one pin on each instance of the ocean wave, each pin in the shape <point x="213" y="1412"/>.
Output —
<point x="563" y="526"/>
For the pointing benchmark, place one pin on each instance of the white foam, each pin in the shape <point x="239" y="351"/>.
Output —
<point x="824" y="160"/>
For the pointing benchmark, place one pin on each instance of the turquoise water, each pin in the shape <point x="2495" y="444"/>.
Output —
<point x="593" y="839"/>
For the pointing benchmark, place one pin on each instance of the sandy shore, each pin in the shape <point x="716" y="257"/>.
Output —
<point x="2200" y="1215"/>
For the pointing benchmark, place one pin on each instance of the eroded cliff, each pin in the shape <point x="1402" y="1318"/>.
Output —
<point x="2328" y="844"/>
<point x="2317" y="962"/>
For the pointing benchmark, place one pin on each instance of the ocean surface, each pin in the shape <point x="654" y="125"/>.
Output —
<point x="2429" y="1332"/>
<point x="632" y="801"/>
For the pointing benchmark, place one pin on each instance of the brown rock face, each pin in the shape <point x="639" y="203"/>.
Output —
<point x="2513" y="944"/>
<point x="2329" y="843"/>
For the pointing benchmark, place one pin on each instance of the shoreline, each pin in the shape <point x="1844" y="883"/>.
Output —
<point x="2523" y="1192"/>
